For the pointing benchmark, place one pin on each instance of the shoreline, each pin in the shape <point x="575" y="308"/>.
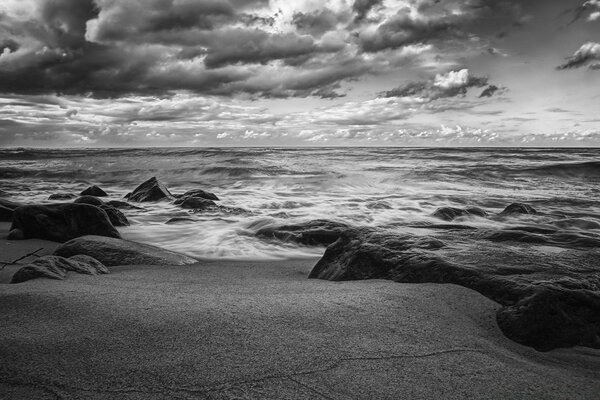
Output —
<point x="220" y="329"/>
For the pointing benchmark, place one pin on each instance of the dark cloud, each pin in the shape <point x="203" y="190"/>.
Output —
<point x="588" y="54"/>
<point x="362" y="7"/>
<point x="316" y="23"/>
<point x="451" y="84"/>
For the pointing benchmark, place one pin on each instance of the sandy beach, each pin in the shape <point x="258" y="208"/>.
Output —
<point x="222" y="330"/>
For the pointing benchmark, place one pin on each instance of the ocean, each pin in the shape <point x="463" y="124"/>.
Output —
<point x="388" y="188"/>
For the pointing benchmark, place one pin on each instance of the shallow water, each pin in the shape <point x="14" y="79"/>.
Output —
<point x="382" y="187"/>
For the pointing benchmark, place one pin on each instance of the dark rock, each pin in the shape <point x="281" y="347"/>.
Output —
<point x="94" y="191"/>
<point x="91" y="261"/>
<point x="94" y="201"/>
<point x="311" y="233"/>
<point x="62" y="196"/>
<point x="198" y="193"/>
<point x="62" y="222"/>
<point x="180" y="220"/>
<point x="518" y="208"/>
<point x="111" y="252"/>
<point x="10" y="204"/>
<point x="15" y="234"/>
<point x="6" y="214"/>
<point x="123" y="205"/>
<point x="547" y="303"/>
<point x="151" y="190"/>
<point x="451" y="213"/>
<point x="194" y="203"/>
<point x="117" y="218"/>
<point x="33" y="271"/>
<point x="552" y="318"/>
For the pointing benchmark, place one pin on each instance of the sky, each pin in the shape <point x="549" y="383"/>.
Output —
<point x="138" y="73"/>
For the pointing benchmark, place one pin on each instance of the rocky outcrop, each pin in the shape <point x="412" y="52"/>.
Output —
<point x="547" y="302"/>
<point x="94" y="191"/>
<point x="62" y="222"/>
<point x="198" y="193"/>
<point x="111" y="252"/>
<point x="62" y="196"/>
<point x="518" y="208"/>
<point x="451" y="213"/>
<point x="311" y="233"/>
<point x="151" y="190"/>
<point x="55" y="267"/>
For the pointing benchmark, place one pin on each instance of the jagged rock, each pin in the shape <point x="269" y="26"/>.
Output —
<point x="117" y="218"/>
<point x="151" y="190"/>
<point x="451" y="213"/>
<point x="111" y="252"/>
<point x="518" y="208"/>
<point x="62" y="222"/>
<point x="94" y="191"/>
<point x="6" y="214"/>
<point x="546" y="303"/>
<point x="94" y="201"/>
<point x="198" y="193"/>
<point x="123" y="205"/>
<point x="97" y="265"/>
<point x="312" y="233"/>
<point x="194" y="203"/>
<point x="62" y="196"/>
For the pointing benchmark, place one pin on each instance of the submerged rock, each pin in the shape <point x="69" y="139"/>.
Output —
<point x="194" y="203"/>
<point x="62" y="196"/>
<point x="62" y="222"/>
<point x="546" y="303"/>
<point x="451" y="213"/>
<point x="123" y="205"/>
<point x="198" y="193"/>
<point x="180" y="220"/>
<point x="55" y="267"/>
<point x="94" y="201"/>
<point x="150" y="190"/>
<point x="94" y="191"/>
<point x="518" y="208"/>
<point x="311" y="233"/>
<point x="111" y="252"/>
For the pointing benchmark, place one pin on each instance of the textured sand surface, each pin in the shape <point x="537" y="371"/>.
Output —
<point x="237" y="330"/>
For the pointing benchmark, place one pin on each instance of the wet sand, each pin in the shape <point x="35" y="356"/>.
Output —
<point x="222" y="330"/>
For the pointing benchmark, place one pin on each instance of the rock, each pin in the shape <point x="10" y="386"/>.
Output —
<point x="15" y="234"/>
<point x="518" y="208"/>
<point x="62" y="196"/>
<point x="180" y="220"/>
<point x="62" y="222"/>
<point x="10" y="204"/>
<point x="546" y="303"/>
<point x="117" y="218"/>
<point x="94" y="201"/>
<point x="198" y="193"/>
<point x="312" y="233"/>
<point x="123" y="205"/>
<point x="6" y="214"/>
<point x="151" y="190"/>
<point x="111" y="252"/>
<point x="91" y="261"/>
<point x="194" y="203"/>
<point x="379" y="205"/>
<point x="33" y="271"/>
<point x="4" y="193"/>
<point x="94" y="191"/>
<point x="552" y="318"/>
<point x="451" y="213"/>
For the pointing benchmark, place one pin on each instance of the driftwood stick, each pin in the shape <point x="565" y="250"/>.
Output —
<point x="33" y="253"/>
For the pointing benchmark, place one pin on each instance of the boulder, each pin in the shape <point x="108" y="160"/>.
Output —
<point x="62" y="222"/>
<point x="311" y="233"/>
<point x="111" y="252"/>
<point x="451" y="213"/>
<point x="94" y="191"/>
<point x="117" y="218"/>
<point x="518" y="208"/>
<point x="6" y="214"/>
<point x="151" y="190"/>
<point x="94" y="201"/>
<point x="180" y="220"/>
<point x="55" y="267"/>
<point x="194" y="203"/>
<point x="62" y="196"/>
<point x="198" y="193"/>
<point x="123" y="205"/>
